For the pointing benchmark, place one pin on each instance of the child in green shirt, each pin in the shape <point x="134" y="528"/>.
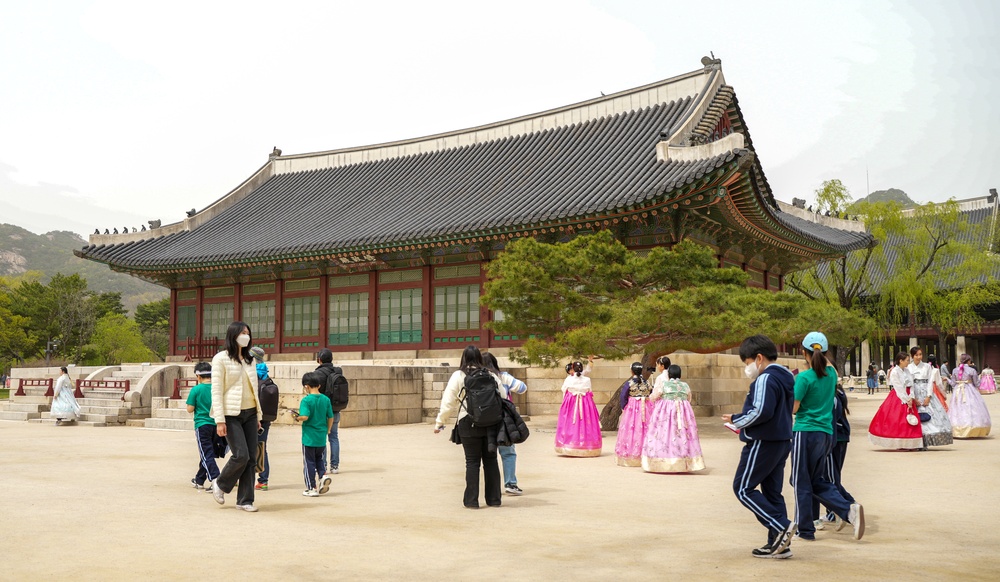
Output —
<point x="316" y="415"/>
<point x="199" y="401"/>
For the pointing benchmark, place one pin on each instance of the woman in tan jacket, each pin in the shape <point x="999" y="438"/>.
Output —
<point x="237" y="414"/>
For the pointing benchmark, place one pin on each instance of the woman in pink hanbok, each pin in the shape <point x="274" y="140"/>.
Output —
<point x="634" y="420"/>
<point x="987" y="384"/>
<point x="672" y="444"/>
<point x="966" y="409"/>
<point x="578" y="431"/>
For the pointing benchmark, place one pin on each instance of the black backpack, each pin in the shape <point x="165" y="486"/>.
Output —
<point x="268" y="396"/>
<point x="482" y="401"/>
<point x="336" y="389"/>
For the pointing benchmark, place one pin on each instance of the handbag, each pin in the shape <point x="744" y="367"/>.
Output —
<point x="455" y="437"/>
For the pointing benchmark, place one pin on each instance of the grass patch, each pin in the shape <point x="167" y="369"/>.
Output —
<point x="4" y="393"/>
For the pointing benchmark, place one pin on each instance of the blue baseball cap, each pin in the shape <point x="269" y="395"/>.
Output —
<point x="815" y="340"/>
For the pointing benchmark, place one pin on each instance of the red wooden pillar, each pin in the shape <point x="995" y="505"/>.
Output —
<point x="372" y="310"/>
<point x="324" y="311"/>
<point x="173" y="322"/>
<point x="279" y="312"/>
<point x="238" y="302"/>
<point x="426" y="324"/>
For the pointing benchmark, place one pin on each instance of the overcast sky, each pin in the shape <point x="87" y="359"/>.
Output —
<point x="116" y="112"/>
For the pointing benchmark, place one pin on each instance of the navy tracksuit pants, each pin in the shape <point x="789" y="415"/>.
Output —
<point x="207" y="467"/>
<point x="810" y="452"/>
<point x="762" y="463"/>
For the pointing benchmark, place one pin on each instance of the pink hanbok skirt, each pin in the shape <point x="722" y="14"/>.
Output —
<point x="578" y="432"/>
<point x="672" y="444"/>
<point x="987" y="385"/>
<point x="632" y="432"/>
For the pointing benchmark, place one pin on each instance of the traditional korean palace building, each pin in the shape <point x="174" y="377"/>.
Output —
<point x="382" y="247"/>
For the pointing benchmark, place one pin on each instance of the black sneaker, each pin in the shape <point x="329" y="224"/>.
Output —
<point x="784" y="539"/>
<point x="513" y="489"/>
<point x="765" y="552"/>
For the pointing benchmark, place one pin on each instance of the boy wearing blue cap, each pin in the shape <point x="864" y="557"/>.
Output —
<point x="813" y="440"/>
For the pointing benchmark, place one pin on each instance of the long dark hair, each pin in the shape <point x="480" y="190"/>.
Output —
<point x="490" y="363"/>
<point x="817" y="361"/>
<point x="236" y="353"/>
<point x="472" y="359"/>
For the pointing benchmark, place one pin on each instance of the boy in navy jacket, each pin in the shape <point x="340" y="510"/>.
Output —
<point x="765" y="425"/>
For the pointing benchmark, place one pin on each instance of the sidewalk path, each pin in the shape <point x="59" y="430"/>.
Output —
<point x="116" y="504"/>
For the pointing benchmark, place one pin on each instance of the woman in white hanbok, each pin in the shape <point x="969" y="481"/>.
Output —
<point x="64" y="405"/>
<point x="928" y="395"/>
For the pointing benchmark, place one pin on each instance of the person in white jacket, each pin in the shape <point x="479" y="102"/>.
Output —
<point x="475" y="440"/>
<point x="237" y="414"/>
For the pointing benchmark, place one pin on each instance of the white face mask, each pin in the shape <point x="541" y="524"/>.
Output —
<point x="751" y="371"/>
<point x="243" y="340"/>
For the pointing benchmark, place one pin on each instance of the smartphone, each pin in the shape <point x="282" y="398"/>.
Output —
<point x="731" y="427"/>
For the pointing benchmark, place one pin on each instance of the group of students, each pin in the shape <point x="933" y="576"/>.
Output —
<point x="657" y="429"/>
<point x="234" y="404"/>
<point x="917" y="414"/>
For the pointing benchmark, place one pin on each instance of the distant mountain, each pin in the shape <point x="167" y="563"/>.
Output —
<point x="52" y="252"/>
<point x="890" y="195"/>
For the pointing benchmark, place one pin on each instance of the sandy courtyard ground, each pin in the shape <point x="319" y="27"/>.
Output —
<point x="116" y="503"/>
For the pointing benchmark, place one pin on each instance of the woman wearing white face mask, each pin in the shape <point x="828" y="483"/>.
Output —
<point x="237" y="414"/>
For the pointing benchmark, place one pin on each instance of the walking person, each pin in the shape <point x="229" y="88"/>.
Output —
<point x="936" y="429"/>
<point x="636" y="409"/>
<point x="64" y="405"/>
<point x="316" y="415"/>
<point x="672" y="444"/>
<point x="813" y="441"/>
<point x="475" y="440"/>
<point x="267" y="395"/>
<point x="765" y="428"/>
<point x="199" y="402"/>
<point x="835" y="462"/>
<point x="967" y="410"/>
<point x="872" y="379"/>
<point x="325" y="369"/>
<point x="895" y="424"/>
<point x="508" y="455"/>
<point x="237" y="415"/>
<point x="987" y="383"/>
<point x="578" y="429"/>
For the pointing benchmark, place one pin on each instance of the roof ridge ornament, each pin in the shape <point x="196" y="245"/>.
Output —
<point x="711" y="63"/>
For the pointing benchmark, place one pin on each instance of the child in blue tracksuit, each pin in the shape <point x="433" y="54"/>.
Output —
<point x="199" y="402"/>
<point x="765" y="426"/>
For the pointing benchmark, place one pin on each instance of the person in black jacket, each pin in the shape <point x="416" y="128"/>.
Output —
<point x="325" y="360"/>
<point x="765" y="426"/>
<point x="267" y="395"/>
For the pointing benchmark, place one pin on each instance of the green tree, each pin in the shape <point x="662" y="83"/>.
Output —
<point x="927" y="266"/>
<point x="833" y="196"/>
<point x="117" y="339"/>
<point x="16" y="341"/>
<point x="107" y="303"/>
<point x="154" y="322"/>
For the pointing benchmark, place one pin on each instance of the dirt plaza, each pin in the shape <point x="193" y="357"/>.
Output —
<point x="83" y="503"/>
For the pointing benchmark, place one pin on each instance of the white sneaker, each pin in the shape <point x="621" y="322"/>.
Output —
<point x="334" y="469"/>
<point x="218" y="495"/>
<point x="856" y="516"/>
<point x="324" y="484"/>
<point x="250" y="507"/>
<point x="819" y="524"/>
<point x="310" y="493"/>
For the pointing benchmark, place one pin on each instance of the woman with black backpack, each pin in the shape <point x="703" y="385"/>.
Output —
<point x="476" y="393"/>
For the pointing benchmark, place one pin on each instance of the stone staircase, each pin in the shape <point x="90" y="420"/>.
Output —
<point x="28" y="407"/>
<point x="171" y="414"/>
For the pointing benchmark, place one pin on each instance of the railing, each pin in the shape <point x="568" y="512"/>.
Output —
<point x="34" y="382"/>
<point x="200" y="349"/>
<point x="182" y="383"/>
<point x="124" y="385"/>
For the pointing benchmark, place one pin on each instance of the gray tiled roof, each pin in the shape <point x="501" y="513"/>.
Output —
<point x="576" y="170"/>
